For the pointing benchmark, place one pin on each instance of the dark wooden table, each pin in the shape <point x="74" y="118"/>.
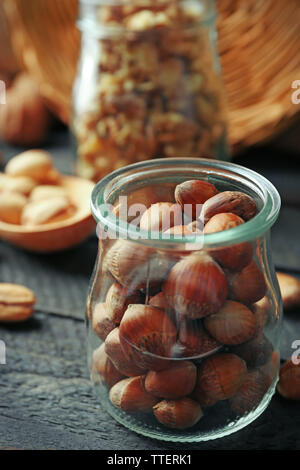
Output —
<point x="46" y="398"/>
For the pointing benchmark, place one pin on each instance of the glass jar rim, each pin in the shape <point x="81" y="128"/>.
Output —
<point x="250" y="230"/>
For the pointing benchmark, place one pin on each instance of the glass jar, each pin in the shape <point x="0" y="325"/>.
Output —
<point x="148" y="84"/>
<point x="183" y="327"/>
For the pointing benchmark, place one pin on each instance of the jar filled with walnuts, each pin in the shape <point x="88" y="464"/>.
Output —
<point x="184" y="310"/>
<point x="148" y="85"/>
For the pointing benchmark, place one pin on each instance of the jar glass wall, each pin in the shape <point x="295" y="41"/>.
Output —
<point x="183" y="329"/>
<point x="148" y="84"/>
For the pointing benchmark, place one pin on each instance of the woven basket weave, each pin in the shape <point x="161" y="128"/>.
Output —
<point x="258" y="42"/>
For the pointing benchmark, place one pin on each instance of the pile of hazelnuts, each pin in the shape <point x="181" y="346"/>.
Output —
<point x="182" y="331"/>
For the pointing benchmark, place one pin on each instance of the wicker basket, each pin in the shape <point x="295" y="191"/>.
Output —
<point x="259" y="47"/>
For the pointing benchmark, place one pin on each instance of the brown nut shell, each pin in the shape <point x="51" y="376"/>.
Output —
<point x="178" y="414"/>
<point x="126" y="365"/>
<point x="196" y="286"/>
<point x="148" y="336"/>
<point x="103" y="367"/>
<point x="219" y="377"/>
<point x="101" y="322"/>
<point x="255" y="352"/>
<point x="196" y="227"/>
<point x="194" y="340"/>
<point x="194" y="193"/>
<point x="289" y="380"/>
<point x="261" y="311"/>
<point x="271" y="368"/>
<point x="117" y="300"/>
<point x="247" y="286"/>
<point x="234" y="257"/>
<point x="161" y="216"/>
<point x="134" y="268"/>
<point x="176" y="381"/>
<point x="159" y="300"/>
<point x="143" y="198"/>
<point x="234" y="323"/>
<point x="130" y="395"/>
<point x="235" y="202"/>
<point x="250" y="393"/>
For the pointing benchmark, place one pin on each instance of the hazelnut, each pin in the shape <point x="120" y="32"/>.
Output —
<point x="118" y="356"/>
<point x="196" y="286"/>
<point x="271" y="368"/>
<point x="143" y="198"/>
<point x="159" y="300"/>
<point x="176" y="381"/>
<point x="178" y="414"/>
<point x="235" y="202"/>
<point x="261" y="310"/>
<point x="117" y="300"/>
<point x="234" y="257"/>
<point x="256" y="352"/>
<point x="130" y="395"/>
<point x="289" y="380"/>
<point x="234" y="323"/>
<point x="194" y="340"/>
<point x="250" y="393"/>
<point x="219" y="377"/>
<point x="247" y="286"/>
<point x="148" y="335"/>
<point x="136" y="268"/>
<point x="195" y="227"/>
<point x="102" y="366"/>
<point x="101" y="322"/>
<point x="190" y="195"/>
<point x="161" y="217"/>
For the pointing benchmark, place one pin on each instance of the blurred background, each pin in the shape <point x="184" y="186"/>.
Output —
<point x="258" y="46"/>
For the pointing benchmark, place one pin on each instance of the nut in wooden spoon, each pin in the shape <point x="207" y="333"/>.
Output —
<point x="42" y="210"/>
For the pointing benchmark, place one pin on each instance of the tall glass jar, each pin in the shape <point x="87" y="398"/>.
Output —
<point x="184" y="325"/>
<point x="148" y="84"/>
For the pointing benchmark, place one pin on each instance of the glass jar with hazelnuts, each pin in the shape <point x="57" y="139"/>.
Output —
<point x="184" y="309"/>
